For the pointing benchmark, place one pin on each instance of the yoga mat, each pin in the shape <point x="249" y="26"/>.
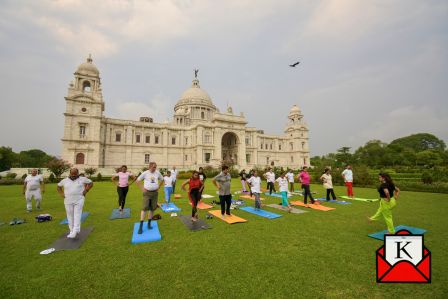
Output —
<point x="64" y="243"/>
<point x="202" y="206"/>
<point x="117" y="215"/>
<point x="249" y="197"/>
<point x="334" y="201"/>
<point x="171" y="207"/>
<point x="83" y="218"/>
<point x="229" y="219"/>
<point x="261" y="213"/>
<point x="312" y="206"/>
<point x="193" y="226"/>
<point x="280" y="207"/>
<point x="148" y="235"/>
<point x="207" y="196"/>
<point x="275" y="195"/>
<point x="177" y="196"/>
<point x="413" y="230"/>
<point x="360" y="199"/>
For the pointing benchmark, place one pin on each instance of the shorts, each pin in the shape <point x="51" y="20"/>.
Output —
<point x="149" y="202"/>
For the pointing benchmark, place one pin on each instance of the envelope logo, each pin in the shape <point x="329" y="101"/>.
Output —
<point x="403" y="259"/>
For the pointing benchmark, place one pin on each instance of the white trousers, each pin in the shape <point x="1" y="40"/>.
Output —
<point x="29" y="194"/>
<point x="74" y="212"/>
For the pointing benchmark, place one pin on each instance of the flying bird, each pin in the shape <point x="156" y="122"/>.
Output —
<point x="295" y="64"/>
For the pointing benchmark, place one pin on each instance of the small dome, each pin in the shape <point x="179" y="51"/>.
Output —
<point x="88" y="68"/>
<point x="194" y="96"/>
<point x="294" y="109"/>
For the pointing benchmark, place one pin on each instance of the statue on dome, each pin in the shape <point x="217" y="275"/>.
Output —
<point x="196" y="71"/>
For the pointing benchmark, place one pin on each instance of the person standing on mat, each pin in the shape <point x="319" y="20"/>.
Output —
<point x="194" y="193"/>
<point x="328" y="183"/>
<point x="174" y="173"/>
<point x="389" y="194"/>
<point x="33" y="186"/>
<point x="243" y="177"/>
<point x="305" y="179"/>
<point x="254" y="184"/>
<point x="122" y="185"/>
<point x="270" y="179"/>
<point x="168" y="186"/>
<point x="290" y="176"/>
<point x="202" y="177"/>
<point x="222" y="181"/>
<point x="249" y="175"/>
<point x="73" y="190"/>
<point x="347" y="175"/>
<point x="283" y="187"/>
<point x="151" y="184"/>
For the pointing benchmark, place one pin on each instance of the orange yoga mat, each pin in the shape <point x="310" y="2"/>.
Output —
<point x="177" y="196"/>
<point x="203" y="206"/>
<point x="312" y="206"/>
<point x="229" y="219"/>
<point x="249" y="197"/>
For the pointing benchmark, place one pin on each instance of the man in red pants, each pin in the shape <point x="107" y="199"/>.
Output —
<point x="347" y="175"/>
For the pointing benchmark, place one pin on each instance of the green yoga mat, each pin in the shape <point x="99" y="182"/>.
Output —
<point x="360" y="199"/>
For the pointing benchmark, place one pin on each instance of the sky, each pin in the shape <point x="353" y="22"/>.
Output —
<point x="373" y="69"/>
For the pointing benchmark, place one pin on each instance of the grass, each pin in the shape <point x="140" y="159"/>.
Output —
<point x="315" y="254"/>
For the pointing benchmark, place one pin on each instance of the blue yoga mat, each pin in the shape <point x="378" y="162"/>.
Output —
<point x="261" y="213"/>
<point x="171" y="207"/>
<point x="335" y="201"/>
<point x="117" y="215"/>
<point x="83" y="218"/>
<point x="413" y="230"/>
<point x="148" y="235"/>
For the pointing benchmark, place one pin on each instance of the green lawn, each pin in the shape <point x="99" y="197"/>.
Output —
<point x="315" y="254"/>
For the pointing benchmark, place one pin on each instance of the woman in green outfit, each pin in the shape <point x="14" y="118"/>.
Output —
<point x="389" y="194"/>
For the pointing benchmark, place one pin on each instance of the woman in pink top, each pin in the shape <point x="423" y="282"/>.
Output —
<point x="304" y="178"/>
<point x="122" y="185"/>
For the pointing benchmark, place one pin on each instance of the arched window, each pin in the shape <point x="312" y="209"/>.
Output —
<point x="203" y="115"/>
<point x="79" y="158"/>
<point x="86" y="86"/>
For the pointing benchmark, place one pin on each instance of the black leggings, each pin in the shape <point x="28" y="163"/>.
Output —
<point x="226" y="201"/>
<point x="271" y="187"/>
<point x="331" y="191"/>
<point x="195" y="198"/>
<point x="122" y="192"/>
<point x="306" y="192"/>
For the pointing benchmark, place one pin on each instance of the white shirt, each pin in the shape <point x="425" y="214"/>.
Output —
<point x="174" y="174"/>
<point x="270" y="176"/>
<point x="150" y="180"/>
<point x="33" y="182"/>
<point x="327" y="179"/>
<point x="348" y="175"/>
<point x="290" y="177"/>
<point x="255" y="184"/>
<point x="73" y="189"/>
<point x="168" y="180"/>
<point x="283" y="184"/>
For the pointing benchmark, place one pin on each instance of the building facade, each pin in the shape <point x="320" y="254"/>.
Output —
<point x="198" y="135"/>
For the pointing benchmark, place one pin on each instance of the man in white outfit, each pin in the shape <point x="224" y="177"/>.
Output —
<point x="73" y="189"/>
<point x="174" y="173"/>
<point x="33" y="186"/>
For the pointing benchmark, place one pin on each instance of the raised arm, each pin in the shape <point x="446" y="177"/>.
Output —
<point x="396" y="192"/>
<point x="60" y="191"/>
<point x="183" y="185"/>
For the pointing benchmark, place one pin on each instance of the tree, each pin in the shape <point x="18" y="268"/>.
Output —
<point x="344" y="156"/>
<point x="420" y="142"/>
<point x="7" y="158"/>
<point x="90" y="171"/>
<point x="33" y="158"/>
<point x="371" y="153"/>
<point x="429" y="158"/>
<point x="58" y="167"/>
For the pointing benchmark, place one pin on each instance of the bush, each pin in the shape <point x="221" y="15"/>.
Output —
<point x="7" y="181"/>
<point x="427" y="178"/>
<point x="99" y="176"/>
<point x="51" y="177"/>
<point x="11" y="175"/>
<point x="24" y="176"/>
<point x="90" y="171"/>
<point x="362" y="177"/>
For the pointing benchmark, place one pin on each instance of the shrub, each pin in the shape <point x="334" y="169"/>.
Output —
<point x="361" y="176"/>
<point x="11" y="175"/>
<point x="427" y="178"/>
<point x="99" y="176"/>
<point x="58" y="167"/>
<point x="90" y="171"/>
<point x="51" y="178"/>
<point x="24" y="176"/>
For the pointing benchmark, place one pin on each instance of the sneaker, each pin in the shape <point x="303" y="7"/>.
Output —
<point x="72" y="235"/>
<point x="140" y="231"/>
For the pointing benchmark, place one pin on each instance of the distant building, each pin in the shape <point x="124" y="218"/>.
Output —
<point x="198" y="135"/>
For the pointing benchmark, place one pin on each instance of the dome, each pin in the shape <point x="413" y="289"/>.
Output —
<point x="88" y="68"/>
<point x="194" y="96"/>
<point x="295" y="109"/>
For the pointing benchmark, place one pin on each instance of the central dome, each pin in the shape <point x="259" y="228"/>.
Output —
<point x="195" y="96"/>
<point x="88" y="68"/>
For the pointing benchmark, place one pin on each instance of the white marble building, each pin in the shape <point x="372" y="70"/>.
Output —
<point x="198" y="135"/>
